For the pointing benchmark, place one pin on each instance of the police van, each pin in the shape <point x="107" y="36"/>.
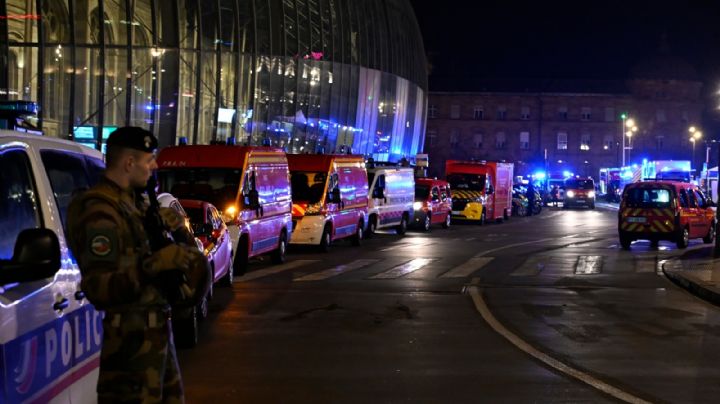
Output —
<point x="51" y="335"/>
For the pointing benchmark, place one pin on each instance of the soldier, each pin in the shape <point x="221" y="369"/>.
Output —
<point x="120" y="275"/>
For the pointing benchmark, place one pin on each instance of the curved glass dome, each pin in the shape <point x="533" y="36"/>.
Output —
<point x="305" y="75"/>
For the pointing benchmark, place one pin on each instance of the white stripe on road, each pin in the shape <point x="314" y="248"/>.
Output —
<point x="588" y="264"/>
<point x="646" y="264"/>
<point x="606" y="388"/>
<point x="404" y="269"/>
<point x="513" y="245"/>
<point x="273" y="270"/>
<point x="338" y="270"/>
<point x="467" y="267"/>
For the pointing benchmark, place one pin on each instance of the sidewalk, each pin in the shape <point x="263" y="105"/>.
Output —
<point x="698" y="272"/>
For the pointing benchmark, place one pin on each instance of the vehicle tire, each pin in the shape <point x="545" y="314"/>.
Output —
<point x="625" y="242"/>
<point x="592" y="206"/>
<point x="372" y="227"/>
<point x="711" y="234"/>
<point x="240" y="263"/>
<point x="427" y="223"/>
<point x="521" y="211"/>
<point x="506" y="216"/>
<point x="326" y="240"/>
<point x="401" y="229"/>
<point x="683" y="238"/>
<point x="227" y="279"/>
<point x="278" y="256"/>
<point x="358" y="237"/>
<point x="185" y="330"/>
<point x="446" y="223"/>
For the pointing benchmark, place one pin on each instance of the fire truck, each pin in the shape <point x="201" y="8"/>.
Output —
<point x="482" y="190"/>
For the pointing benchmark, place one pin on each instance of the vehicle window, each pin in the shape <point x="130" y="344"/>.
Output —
<point x="472" y="182"/>
<point x="701" y="201"/>
<point x="693" y="200"/>
<point x="579" y="184"/>
<point x="647" y="197"/>
<point x="68" y="176"/>
<point x="209" y="218"/>
<point x="435" y="194"/>
<point x="421" y="192"/>
<point x="684" y="199"/>
<point x="19" y="208"/>
<point x="443" y="193"/>
<point x="217" y="220"/>
<point x="196" y="218"/>
<point x="95" y="168"/>
<point x="218" y="186"/>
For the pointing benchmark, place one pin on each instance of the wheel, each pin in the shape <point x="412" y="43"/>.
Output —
<point x="402" y="227"/>
<point x="278" y="256"/>
<point x="372" y="227"/>
<point x="683" y="238"/>
<point x="592" y="206"/>
<point x="427" y="222"/>
<point x="625" y="242"/>
<point x="326" y="240"/>
<point x="358" y="237"/>
<point x="711" y="234"/>
<point x="227" y="279"/>
<point x="521" y="211"/>
<point x="537" y="209"/>
<point x="446" y="223"/>
<point x="185" y="329"/>
<point x="506" y="216"/>
<point x="242" y="256"/>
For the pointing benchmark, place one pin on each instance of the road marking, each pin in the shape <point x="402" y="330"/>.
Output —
<point x="338" y="270"/>
<point x="273" y="270"/>
<point x="403" y="269"/>
<point x="545" y="358"/>
<point x="588" y="264"/>
<point x="418" y="242"/>
<point x="646" y="264"/>
<point x="467" y="267"/>
<point x="513" y="245"/>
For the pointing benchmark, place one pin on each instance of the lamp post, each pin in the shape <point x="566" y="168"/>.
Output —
<point x="695" y="135"/>
<point x="628" y="124"/>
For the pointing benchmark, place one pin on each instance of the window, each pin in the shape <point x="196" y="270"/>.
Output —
<point x="700" y="199"/>
<point x="432" y="111"/>
<point x="68" y="175"/>
<point x="431" y="138"/>
<point x="684" y="200"/>
<point x="609" y="114"/>
<point x="585" y="141"/>
<point x="435" y="195"/>
<point x="501" y="113"/>
<point x="660" y="115"/>
<point x="454" y="112"/>
<point x="19" y="208"/>
<point x="659" y="142"/>
<point x="500" y="140"/>
<point x="585" y="113"/>
<point x="454" y="137"/>
<point x="563" y="113"/>
<point x="478" y="140"/>
<point x="525" y="140"/>
<point x="608" y="142"/>
<point x="525" y="113"/>
<point x="479" y="112"/>
<point x="562" y="141"/>
<point x="443" y="193"/>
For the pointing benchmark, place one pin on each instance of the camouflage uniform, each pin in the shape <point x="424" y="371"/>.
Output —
<point x="138" y="361"/>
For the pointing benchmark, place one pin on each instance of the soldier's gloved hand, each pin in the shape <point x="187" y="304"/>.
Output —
<point x="172" y="219"/>
<point x="171" y="257"/>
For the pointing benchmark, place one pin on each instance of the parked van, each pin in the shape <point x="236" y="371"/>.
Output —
<point x="250" y="186"/>
<point x="390" y="197"/>
<point x="433" y="203"/>
<point x="330" y="198"/>
<point x="482" y="190"/>
<point x="665" y="210"/>
<point x="579" y="192"/>
<point x="50" y="336"/>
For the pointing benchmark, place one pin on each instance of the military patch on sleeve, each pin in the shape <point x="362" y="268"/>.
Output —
<point x="103" y="244"/>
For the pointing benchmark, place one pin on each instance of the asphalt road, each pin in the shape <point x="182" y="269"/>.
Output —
<point x="570" y="318"/>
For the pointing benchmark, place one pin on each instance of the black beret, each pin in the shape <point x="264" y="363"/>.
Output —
<point x="133" y="137"/>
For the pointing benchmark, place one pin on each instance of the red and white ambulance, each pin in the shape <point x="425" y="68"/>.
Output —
<point x="330" y="198"/>
<point x="249" y="185"/>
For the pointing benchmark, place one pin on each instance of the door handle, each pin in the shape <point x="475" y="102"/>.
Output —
<point x="61" y="305"/>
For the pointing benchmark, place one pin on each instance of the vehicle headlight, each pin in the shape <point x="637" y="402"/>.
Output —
<point x="570" y="194"/>
<point x="417" y="205"/>
<point x="591" y="194"/>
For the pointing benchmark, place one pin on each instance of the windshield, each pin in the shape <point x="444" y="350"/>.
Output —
<point x="579" y="184"/>
<point x="218" y="186"/>
<point x="307" y="186"/>
<point x="647" y="197"/>
<point x="471" y="182"/>
<point x="422" y="192"/>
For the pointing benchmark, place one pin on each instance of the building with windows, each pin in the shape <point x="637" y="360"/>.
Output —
<point x="305" y="75"/>
<point x="565" y="125"/>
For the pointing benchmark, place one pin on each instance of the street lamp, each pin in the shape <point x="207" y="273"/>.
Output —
<point x="628" y="128"/>
<point x="695" y="135"/>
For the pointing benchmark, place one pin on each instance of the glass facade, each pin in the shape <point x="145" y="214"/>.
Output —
<point x="305" y="75"/>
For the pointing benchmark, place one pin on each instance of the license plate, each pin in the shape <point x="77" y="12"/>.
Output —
<point x="581" y="200"/>
<point x="636" y="220"/>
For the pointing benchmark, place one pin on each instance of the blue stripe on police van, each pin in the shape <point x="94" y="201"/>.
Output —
<point x="263" y="244"/>
<point x="345" y="230"/>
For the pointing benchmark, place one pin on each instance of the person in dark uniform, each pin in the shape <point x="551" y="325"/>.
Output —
<point x="120" y="276"/>
<point x="530" y="195"/>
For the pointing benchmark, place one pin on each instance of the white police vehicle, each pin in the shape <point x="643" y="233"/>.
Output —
<point x="50" y="336"/>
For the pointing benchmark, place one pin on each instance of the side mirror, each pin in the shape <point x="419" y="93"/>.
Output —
<point x="335" y="196"/>
<point x="36" y="256"/>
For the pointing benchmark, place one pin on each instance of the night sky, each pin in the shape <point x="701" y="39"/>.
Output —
<point x="591" y="39"/>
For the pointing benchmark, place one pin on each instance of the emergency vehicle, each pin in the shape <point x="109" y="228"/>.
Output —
<point x="433" y="203"/>
<point x="579" y="192"/>
<point x="51" y="335"/>
<point x="481" y="190"/>
<point x="330" y="198"/>
<point x="250" y="185"/>
<point x="665" y="210"/>
<point x="390" y="198"/>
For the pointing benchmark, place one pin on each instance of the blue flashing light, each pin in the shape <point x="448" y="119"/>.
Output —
<point x="149" y="107"/>
<point x="644" y="161"/>
<point x="540" y="175"/>
<point x="567" y="174"/>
